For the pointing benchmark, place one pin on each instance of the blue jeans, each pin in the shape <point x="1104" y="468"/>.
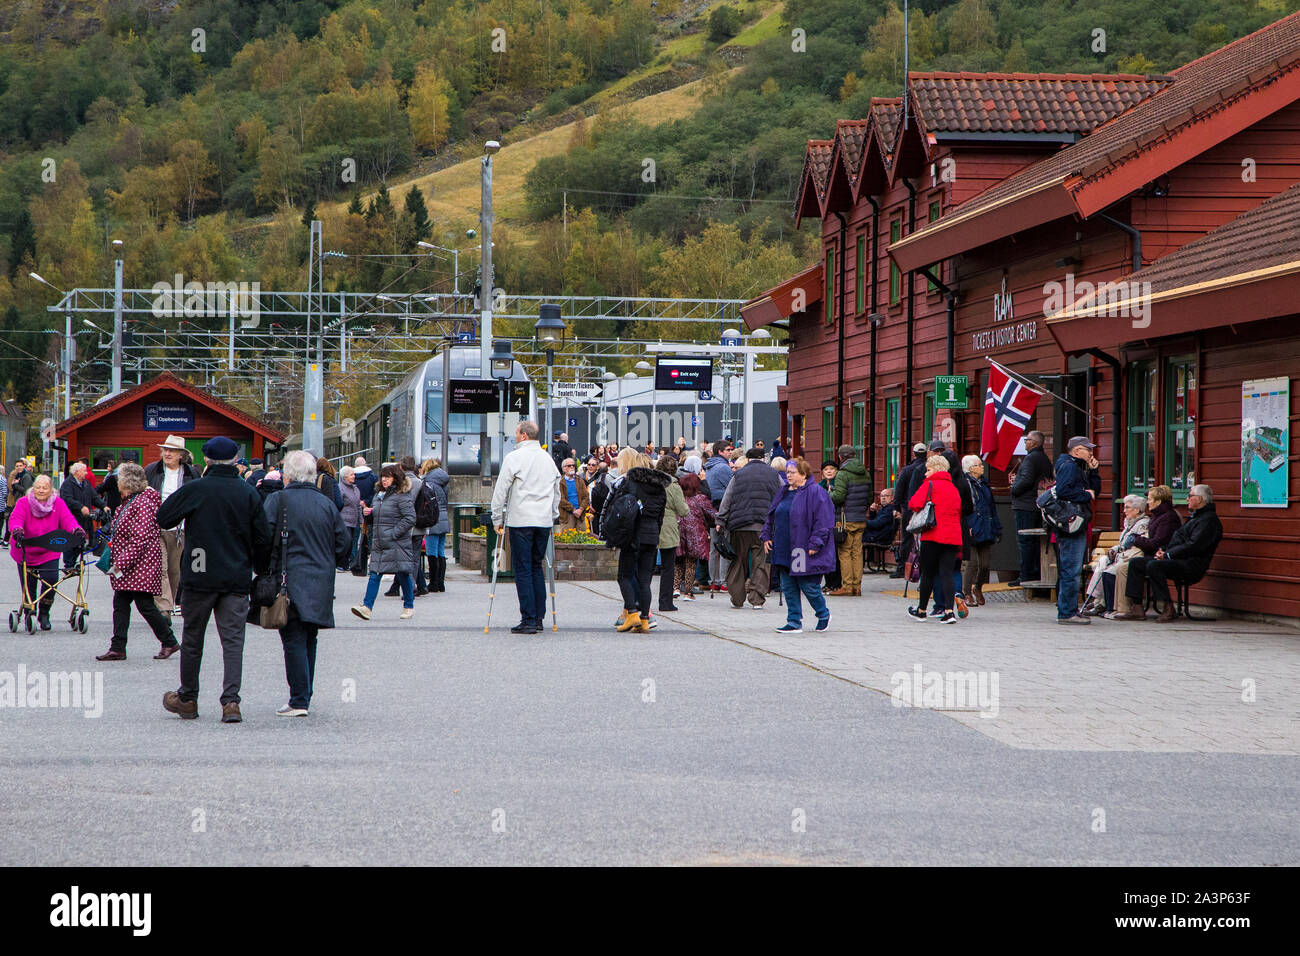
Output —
<point x="1073" y="549"/>
<point x="528" y="558"/>
<point x="810" y="585"/>
<point x="1028" y="544"/>
<point x="435" y="545"/>
<point x="403" y="581"/>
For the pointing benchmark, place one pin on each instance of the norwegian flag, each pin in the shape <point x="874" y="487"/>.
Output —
<point x="1008" y="406"/>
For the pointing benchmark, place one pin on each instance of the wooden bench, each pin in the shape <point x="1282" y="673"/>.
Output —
<point x="1105" y="541"/>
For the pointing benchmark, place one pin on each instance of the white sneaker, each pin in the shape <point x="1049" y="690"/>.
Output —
<point x="361" y="611"/>
<point x="288" y="710"/>
<point x="756" y="607"/>
<point x="407" y="612"/>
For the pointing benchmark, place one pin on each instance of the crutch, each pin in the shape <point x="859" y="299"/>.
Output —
<point x="550" y="578"/>
<point x="496" y="563"/>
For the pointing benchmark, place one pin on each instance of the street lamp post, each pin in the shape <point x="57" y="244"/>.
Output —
<point x="485" y="256"/>
<point x="549" y="332"/>
<point x="116" y="379"/>
<point x="502" y="363"/>
<point x="645" y="366"/>
<point x="622" y="416"/>
<point x="455" y="263"/>
<point x="605" y="378"/>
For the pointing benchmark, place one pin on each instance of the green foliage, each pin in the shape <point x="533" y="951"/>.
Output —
<point x="724" y="23"/>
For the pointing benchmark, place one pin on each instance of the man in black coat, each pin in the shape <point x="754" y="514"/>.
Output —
<point x="560" y="450"/>
<point x="255" y="472"/>
<point x="743" y="511"/>
<point x="1035" y="470"/>
<point x="227" y="538"/>
<point x="83" y="501"/>
<point x="909" y="479"/>
<point x="1186" y="558"/>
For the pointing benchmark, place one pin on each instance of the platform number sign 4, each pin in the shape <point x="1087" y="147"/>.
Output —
<point x="950" y="391"/>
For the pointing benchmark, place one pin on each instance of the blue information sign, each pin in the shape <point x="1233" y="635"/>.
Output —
<point x="706" y="396"/>
<point x="178" y="417"/>
<point x="573" y="423"/>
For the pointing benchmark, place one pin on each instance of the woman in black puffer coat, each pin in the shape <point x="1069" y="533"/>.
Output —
<point x="636" y="564"/>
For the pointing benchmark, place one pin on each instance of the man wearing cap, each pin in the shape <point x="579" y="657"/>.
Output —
<point x="1077" y="480"/>
<point x="560" y="449"/>
<point x="227" y="538"/>
<point x="743" y="512"/>
<point x="165" y="476"/>
<point x="255" y="471"/>
<point x="909" y="479"/>
<point x="1033" y="474"/>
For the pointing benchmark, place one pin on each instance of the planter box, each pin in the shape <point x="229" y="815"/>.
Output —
<point x="473" y="551"/>
<point x="585" y="562"/>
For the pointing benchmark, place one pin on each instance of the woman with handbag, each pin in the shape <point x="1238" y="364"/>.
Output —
<point x="936" y="520"/>
<point x="833" y="580"/>
<point x="694" y="527"/>
<point x="135" y="564"/>
<point x="985" y="530"/>
<point x="798" y="538"/>
<point x="309" y="541"/>
<point x="392" y="551"/>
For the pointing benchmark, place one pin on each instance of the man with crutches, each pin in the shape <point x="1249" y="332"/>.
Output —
<point x="526" y="502"/>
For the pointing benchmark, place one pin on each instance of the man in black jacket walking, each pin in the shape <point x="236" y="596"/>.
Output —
<point x="227" y="538"/>
<point x="1035" y="468"/>
<point x="909" y="479"/>
<point x="1187" y="557"/>
<point x="83" y="501"/>
<point x="743" y="511"/>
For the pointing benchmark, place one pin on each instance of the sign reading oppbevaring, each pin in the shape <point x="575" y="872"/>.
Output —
<point x="950" y="391"/>
<point x="176" y="417"/>
<point x="484" y="397"/>
<point x="1265" y="442"/>
<point x="683" y="374"/>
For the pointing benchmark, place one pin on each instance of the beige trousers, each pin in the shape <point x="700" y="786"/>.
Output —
<point x="171" y="568"/>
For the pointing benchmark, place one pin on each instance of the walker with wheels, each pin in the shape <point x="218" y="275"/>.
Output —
<point x="60" y="542"/>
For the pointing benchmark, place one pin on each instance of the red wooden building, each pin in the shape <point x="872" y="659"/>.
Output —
<point x="951" y="229"/>
<point x="130" y="425"/>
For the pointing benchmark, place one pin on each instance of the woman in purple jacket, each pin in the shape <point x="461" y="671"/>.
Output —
<point x="798" y="539"/>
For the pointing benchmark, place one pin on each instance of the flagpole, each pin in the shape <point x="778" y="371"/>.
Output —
<point x="1042" y="389"/>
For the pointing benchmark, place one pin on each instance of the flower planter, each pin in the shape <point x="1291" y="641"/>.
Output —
<point x="585" y="562"/>
<point x="473" y="550"/>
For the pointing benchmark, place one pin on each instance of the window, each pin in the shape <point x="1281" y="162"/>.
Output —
<point x="859" y="437"/>
<point x="927" y="418"/>
<point x="831" y="310"/>
<point x="893" y="449"/>
<point x="800" y="436"/>
<point x="860" y="277"/>
<point x="433" y="412"/>
<point x="1142" y="392"/>
<point x="895" y="277"/>
<point x="1180" y="424"/>
<point x="101" y="457"/>
<point x="936" y="208"/>
<point x="828" y="433"/>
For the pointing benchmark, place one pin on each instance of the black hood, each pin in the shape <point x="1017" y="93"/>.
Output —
<point x="651" y="476"/>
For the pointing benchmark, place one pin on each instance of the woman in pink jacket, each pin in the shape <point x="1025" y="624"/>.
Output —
<point x="941" y="545"/>
<point x="39" y="512"/>
<point x="136" y="571"/>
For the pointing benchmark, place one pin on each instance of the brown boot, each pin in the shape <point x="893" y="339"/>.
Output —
<point x="977" y="595"/>
<point x="230" y="713"/>
<point x="840" y="592"/>
<point x="1133" y="614"/>
<point x="186" y="709"/>
<point x="1168" y="614"/>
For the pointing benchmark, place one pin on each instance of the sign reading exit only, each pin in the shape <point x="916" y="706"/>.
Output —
<point x="950" y="391"/>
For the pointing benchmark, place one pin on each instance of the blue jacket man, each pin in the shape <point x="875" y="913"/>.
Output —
<point x="717" y="475"/>
<point x="1077" y="480"/>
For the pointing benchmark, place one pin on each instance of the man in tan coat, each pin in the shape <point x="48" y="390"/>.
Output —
<point x="575" y="500"/>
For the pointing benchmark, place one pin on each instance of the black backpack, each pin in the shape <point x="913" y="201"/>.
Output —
<point x="426" y="508"/>
<point x="620" y="517"/>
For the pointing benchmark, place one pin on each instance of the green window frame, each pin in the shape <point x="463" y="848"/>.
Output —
<point x="828" y="432"/>
<point x="100" y="455"/>
<point x="860" y="277"/>
<point x="895" y="276"/>
<point x="1142" y="410"/>
<point x="831" y="310"/>
<point x="1180" y="424"/>
<point x="927" y="417"/>
<point x="936" y="209"/>
<point x="893" y="444"/>
<point x="859" y="437"/>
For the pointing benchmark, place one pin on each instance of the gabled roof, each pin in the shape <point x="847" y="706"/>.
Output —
<point x="1025" y="103"/>
<point x="1253" y="261"/>
<point x="779" y="302"/>
<point x="887" y="111"/>
<point x="167" y="381"/>
<point x="1208" y="101"/>
<point x="812" y="183"/>
<point x="846" y="161"/>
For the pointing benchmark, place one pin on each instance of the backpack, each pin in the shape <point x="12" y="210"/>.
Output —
<point x="426" y="508"/>
<point x="1065" y="518"/>
<point x="620" y="517"/>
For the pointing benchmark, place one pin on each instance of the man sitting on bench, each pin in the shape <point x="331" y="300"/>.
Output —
<point x="1185" y="559"/>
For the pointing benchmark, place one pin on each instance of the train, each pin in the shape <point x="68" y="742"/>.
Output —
<point x="408" y="420"/>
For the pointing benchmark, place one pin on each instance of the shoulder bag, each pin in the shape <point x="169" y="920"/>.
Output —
<point x="924" y="520"/>
<point x="275" y="604"/>
<point x="841" y="532"/>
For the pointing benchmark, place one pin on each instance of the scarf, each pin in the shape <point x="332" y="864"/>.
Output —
<point x="38" y="508"/>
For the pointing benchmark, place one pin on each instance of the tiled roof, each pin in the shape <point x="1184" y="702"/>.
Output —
<point x="167" y="380"/>
<point x="887" y="111"/>
<point x="850" y="135"/>
<point x="819" y="161"/>
<point x="1026" y="102"/>
<point x="1196" y="91"/>
<point x="1264" y="237"/>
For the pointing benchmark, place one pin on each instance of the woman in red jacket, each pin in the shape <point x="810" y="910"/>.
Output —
<point x="942" y="543"/>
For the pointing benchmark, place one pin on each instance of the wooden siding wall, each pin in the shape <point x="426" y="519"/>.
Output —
<point x="124" y="428"/>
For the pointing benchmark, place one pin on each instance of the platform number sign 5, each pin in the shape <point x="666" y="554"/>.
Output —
<point x="950" y="391"/>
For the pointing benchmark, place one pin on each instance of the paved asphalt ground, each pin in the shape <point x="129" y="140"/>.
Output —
<point x="461" y="748"/>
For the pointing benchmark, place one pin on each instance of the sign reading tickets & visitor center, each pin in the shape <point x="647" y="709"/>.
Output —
<point x="1265" y="442"/>
<point x="177" y="417"/>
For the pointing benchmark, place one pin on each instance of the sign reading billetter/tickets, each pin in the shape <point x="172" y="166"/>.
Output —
<point x="1265" y="442"/>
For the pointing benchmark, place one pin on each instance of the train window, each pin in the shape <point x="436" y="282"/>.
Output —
<point x="433" y="412"/>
